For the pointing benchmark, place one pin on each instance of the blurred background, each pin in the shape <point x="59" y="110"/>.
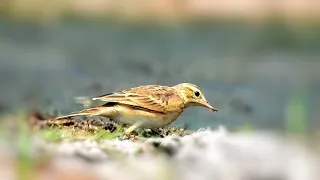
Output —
<point x="256" y="61"/>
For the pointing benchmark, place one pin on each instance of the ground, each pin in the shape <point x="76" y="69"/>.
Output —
<point x="95" y="149"/>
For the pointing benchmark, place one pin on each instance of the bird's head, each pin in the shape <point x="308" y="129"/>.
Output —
<point x="193" y="96"/>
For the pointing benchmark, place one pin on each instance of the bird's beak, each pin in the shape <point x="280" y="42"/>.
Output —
<point x="207" y="105"/>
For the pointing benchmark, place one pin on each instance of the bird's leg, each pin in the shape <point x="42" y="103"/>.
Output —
<point x="120" y="127"/>
<point x="132" y="128"/>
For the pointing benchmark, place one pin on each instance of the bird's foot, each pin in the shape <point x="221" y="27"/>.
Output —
<point x="129" y="136"/>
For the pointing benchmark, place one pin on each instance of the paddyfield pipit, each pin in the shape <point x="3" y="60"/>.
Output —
<point x="149" y="106"/>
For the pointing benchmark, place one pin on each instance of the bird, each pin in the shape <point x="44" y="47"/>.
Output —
<point x="146" y="106"/>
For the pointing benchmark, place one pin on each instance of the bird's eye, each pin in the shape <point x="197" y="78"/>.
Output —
<point x="197" y="93"/>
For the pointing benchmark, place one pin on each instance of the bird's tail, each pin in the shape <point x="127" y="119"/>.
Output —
<point x="85" y="112"/>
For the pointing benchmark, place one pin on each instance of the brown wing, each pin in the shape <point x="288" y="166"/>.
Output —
<point x="157" y="98"/>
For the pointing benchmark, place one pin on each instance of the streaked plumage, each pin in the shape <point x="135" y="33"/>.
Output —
<point x="148" y="106"/>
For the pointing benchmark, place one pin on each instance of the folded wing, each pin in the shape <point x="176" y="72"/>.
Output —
<point x="162" y="99"/>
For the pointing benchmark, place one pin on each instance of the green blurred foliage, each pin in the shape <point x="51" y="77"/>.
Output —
<point x="296" y="113"/>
